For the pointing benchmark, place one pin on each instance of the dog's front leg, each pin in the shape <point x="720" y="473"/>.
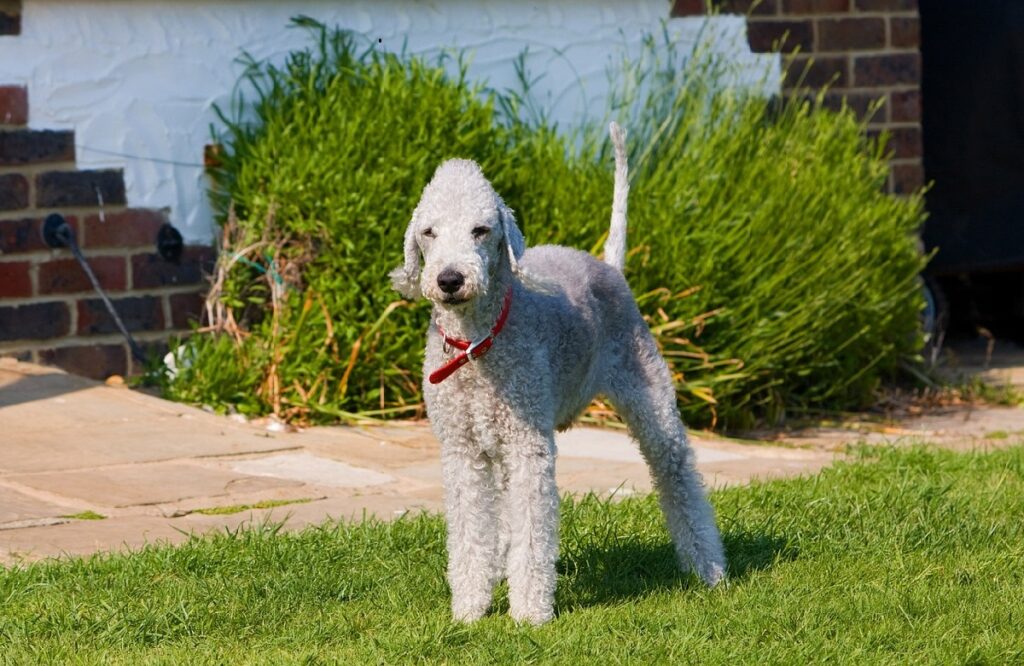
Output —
<point x="532" y="514"/>
<point x="471" y="512"/>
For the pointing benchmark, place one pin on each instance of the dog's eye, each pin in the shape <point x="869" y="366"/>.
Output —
<point x="428" y="232"/>
<point x="480" y="232"/>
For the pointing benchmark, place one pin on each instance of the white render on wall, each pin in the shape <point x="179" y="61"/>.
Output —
<point x="137" y="80"/>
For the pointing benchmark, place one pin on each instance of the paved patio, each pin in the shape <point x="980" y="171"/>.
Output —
<point x="156" y="469"/>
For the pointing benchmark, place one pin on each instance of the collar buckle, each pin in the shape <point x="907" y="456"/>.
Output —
<point x="471" y="351"/>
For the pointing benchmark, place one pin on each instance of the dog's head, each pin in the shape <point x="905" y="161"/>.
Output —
<point x="465" y="233"/>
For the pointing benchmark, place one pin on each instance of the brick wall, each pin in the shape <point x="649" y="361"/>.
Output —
<point x="49" y="312"/>
<point x="865" y="49"/>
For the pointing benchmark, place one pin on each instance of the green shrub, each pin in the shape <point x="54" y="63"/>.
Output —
<point x="774" y="271"/>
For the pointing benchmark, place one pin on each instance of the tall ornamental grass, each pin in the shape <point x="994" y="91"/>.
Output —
<point x="776" y="274"/>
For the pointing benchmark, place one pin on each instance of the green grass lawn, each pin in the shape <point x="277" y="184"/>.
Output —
<point x="908" y="556"/>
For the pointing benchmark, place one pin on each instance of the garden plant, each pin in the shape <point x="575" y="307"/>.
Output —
<point x="776" y="274"/>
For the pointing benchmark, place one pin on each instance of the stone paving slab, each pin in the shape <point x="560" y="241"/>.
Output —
<point x="141" y="485"/>
<point x="306" y="468"/>
<point x="85" y="537"/>
<point x="16" y="506"/>
<point x="57" y="449"/>
<point x="961" y="428"/>
<point x="151" y="466"/>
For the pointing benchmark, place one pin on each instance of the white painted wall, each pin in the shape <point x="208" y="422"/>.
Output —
<point x="137" y="80"/>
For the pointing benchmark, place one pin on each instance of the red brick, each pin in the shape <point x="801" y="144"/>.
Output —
<point x="13" y="191"/>
<point x="66" y="276"/>
<point x="95" y="361"/>
<point x="35" y="321"/>
<point x="24" y="146"/>
<point x="151" y="270"/>
<point x="905" y="32"/>
<point x="27" y="235"/>
<point x="905" y="106"/>
<point x="905" y="142"/>
<point x="135" y="227"/>
<point x="887" y="70"/>
<point x="816" y="72"/>
<point x="815" y="6"/>
<point x="886" y="5"/>
<point x="687" y="8"/>
<point x="13" y="105"/>
<point x="859" y="103"/>
<point x="186" y="309"/>
<point x="902" y="142"/>
<point x="56" y="189"/>
<point x="850" y="34"/>
<point x="15" y="280"/>
<point x="138" y="313"/>
<point x="907" y="178"/>
<point x="766" y="36"/>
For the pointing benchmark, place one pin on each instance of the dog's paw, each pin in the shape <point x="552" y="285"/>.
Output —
<point x="470" y="611"/>
<point x="534" y="616"/>
<point x="712" y="574"/>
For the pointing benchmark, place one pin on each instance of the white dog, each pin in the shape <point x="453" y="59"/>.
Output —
<point x="521" y="342"/>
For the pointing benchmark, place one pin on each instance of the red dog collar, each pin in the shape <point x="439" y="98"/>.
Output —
<point x="472" y="350"/>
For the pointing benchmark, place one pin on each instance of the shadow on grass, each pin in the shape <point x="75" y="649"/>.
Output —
<point x="599" y="575"/>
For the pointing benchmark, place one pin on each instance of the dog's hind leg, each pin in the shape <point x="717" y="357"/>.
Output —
<point x="641" y="390"/>
<point x="471" y="511"/>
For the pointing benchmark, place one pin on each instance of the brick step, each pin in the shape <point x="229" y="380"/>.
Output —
<point x="77" y="321"/>
<point x="49" y="312"/>
<point x="119" y="245"/>
<point x="126" y="228"/>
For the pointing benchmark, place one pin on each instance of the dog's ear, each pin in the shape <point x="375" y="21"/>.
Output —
<point x="514" y="240"/>
<point x="406" y="278"/>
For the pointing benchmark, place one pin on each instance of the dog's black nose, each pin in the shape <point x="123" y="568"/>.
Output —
<point x="450" y="280"/>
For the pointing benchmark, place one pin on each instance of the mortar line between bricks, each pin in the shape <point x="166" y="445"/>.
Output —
<point x="35" y="168"/>
<point x="860" y="51"/>
<point x="129" y="274"/>
<point x="43" y="256"/>
<point x="74" y="297"/>
<point x="803" y="16"/>
<point x="33" y="276"/>
<point x="32" y="189"/>
<point x="875" y="92"/>
<point x="104" y="339"/>
<point x="78" y="210"/>
<point x="168" y="311"/>
<point x="73" y="317"/>
<point x="850" y="57"/>
<point x="894" y="126"/>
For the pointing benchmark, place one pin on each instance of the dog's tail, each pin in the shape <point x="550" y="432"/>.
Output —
<point x="615" y="246"/>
